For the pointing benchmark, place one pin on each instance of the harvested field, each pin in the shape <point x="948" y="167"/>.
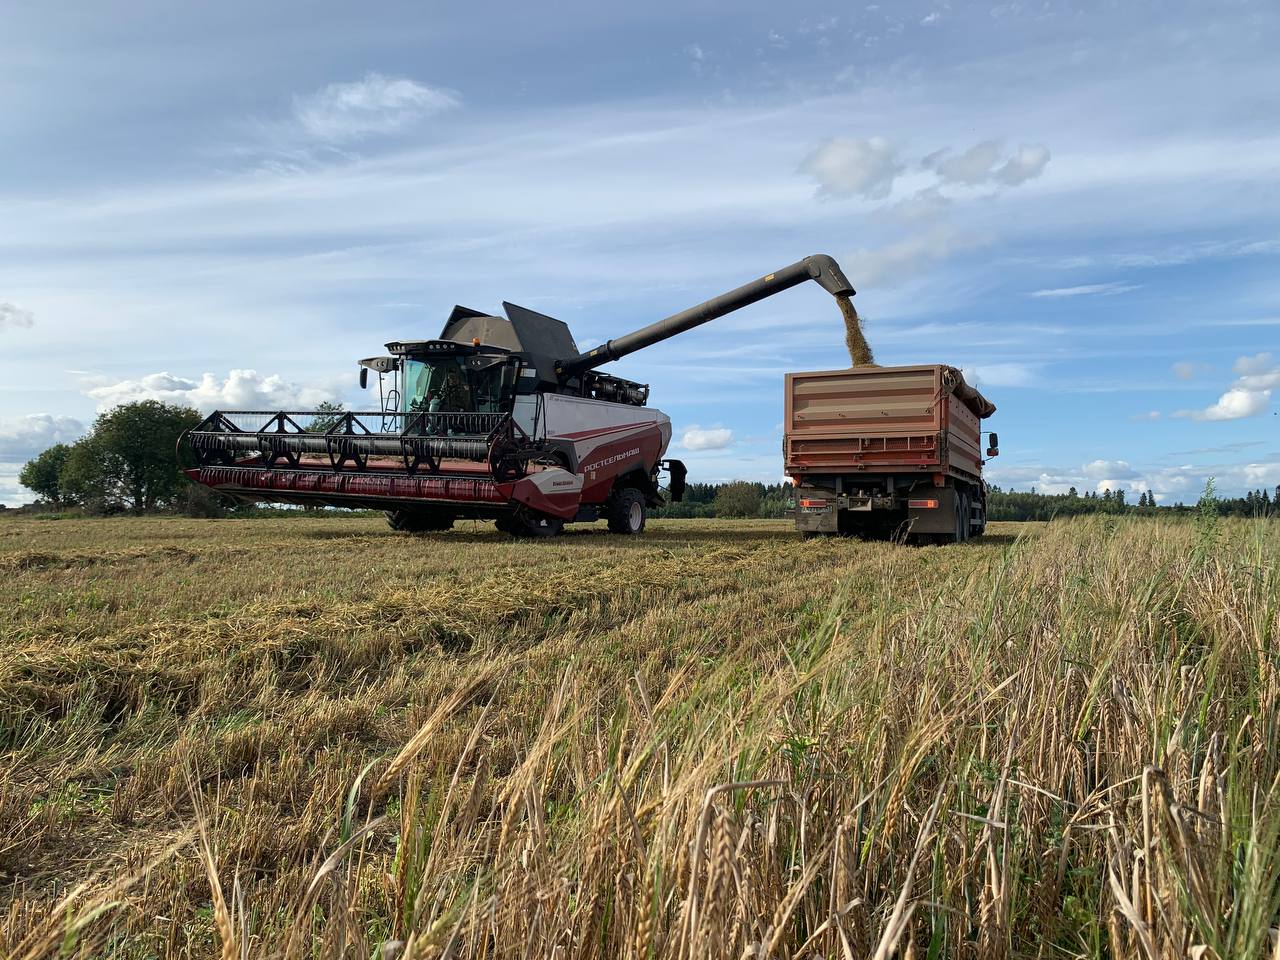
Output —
<point x="307" y="737"/>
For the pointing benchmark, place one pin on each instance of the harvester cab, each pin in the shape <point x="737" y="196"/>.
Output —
<point x="500" y="418"/>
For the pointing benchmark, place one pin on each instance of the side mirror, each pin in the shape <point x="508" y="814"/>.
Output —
<point x="993" y="445"/>
<point x="364" y="377"/>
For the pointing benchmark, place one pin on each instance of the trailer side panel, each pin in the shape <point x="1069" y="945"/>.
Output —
<point x="866" y="418"/>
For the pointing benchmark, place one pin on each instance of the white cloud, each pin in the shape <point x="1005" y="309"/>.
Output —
<point x="241" y="390"/>
<point x="1088" y="289"/>
<point x="1185" y="369"/>
<point x="1026" y="164"/>
<point x="1260" y="372"/>
<point x="1248" y="396"/>
<point x="973" y="166"/>
<point x="21" y="438"/>
<point x="1000" y="375"/>
<point x="14" y="317"/>
<point x="899" y="261"/>
<point x="986" y="162"/>
<point x="372" y="105"/>
<point x="1261" y="363"/>
<point x="1235" y="404"/>
<point x="714" y="438"/>
<point x="1148" y="415"/>
<point x="848" y="166"/>
<point x="924" y="205"/>
<point x="1103" y="470"/>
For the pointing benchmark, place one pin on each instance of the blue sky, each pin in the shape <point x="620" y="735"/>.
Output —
<point x="1079" y="203"/>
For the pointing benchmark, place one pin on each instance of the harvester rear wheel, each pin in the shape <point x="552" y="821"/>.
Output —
<point x="626" y="512"/>
<point x="418" y="521"/>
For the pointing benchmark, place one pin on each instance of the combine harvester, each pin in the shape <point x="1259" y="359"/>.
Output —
<point x="498" y="418"/>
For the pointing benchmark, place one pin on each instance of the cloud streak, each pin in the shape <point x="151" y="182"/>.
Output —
<point x="987" y="163"/>
<point x="896" y="262"/>
<point x="1087" y="290"/>
<point x="13" y="317"/>
<point x="374" y="104"/>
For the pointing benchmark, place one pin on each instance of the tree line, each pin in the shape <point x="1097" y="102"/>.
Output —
<point x="1019" y="505"/>
<point x="129" y="462"/>
<point x="738" y="498"/>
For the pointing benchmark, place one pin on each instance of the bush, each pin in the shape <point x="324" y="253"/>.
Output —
<point x="738" y="499"/>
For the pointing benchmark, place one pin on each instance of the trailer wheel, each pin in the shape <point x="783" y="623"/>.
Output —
<point x="626" y="513"/>
<point x="981" y="528"/>
<point x="418" y="521"/>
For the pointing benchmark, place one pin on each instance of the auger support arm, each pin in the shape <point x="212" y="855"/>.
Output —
<point x="819" y="267"/>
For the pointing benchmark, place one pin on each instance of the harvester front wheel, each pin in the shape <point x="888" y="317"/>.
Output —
<point x="418" y="521"/>
<point x="528" y="523"/>
<point x="626" y="513"/>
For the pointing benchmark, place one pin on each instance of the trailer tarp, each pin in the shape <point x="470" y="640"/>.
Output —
<point x="969" y="396"/>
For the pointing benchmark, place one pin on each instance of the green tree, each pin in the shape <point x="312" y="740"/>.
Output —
<point x="738" y="499"/>
<point x="327" y="414"/>
<point x="130" y="457"/>
<point x="82" y="478"/>
<point x="42" y="475"/>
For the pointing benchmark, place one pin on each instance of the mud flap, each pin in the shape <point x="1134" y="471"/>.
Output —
<point x="933" y="519"/>
<point x="816" y="511"/>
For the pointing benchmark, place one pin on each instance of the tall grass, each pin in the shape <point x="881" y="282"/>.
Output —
<point x="1059" y="745"/>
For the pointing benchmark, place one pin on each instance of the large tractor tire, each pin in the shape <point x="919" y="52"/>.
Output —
<point x="419" y="521"/>
<point x="627" y="513"/>
<point x="528" y="524"/>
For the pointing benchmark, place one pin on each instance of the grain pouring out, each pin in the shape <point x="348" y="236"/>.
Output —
<point x="859" y="350"/>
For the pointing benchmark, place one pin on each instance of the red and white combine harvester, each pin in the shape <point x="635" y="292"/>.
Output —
<point x="498" y="418"/>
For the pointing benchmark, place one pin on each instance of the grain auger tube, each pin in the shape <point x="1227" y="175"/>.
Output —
<point x="819" y="267"/>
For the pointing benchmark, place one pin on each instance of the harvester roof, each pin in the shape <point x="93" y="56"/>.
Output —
<point x="541" y="339"/>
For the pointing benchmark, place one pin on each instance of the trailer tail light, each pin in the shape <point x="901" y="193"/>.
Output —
<point x="930" y="504"/>
<point x="815" y="504"/>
